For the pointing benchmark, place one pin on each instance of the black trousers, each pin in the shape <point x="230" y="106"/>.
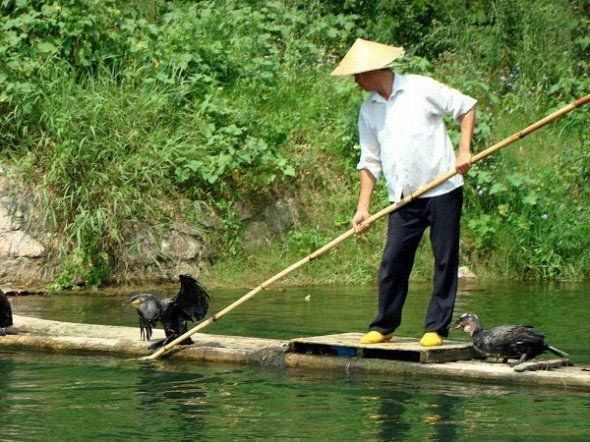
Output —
<point x="406" y="227"/>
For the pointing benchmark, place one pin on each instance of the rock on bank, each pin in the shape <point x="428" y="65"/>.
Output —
<point x="29" y="255"/>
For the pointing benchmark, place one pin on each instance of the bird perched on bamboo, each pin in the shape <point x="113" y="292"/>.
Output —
<point x="520" y="342"/>
<point x="190" y="304"/>
<point x="5" y="314"/>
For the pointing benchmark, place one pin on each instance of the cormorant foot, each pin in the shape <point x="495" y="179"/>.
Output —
<point x="156" y="345"/>
<point x="168" y="340"/>
<point x="8" y="331"/>
<point x="521" y="360"/>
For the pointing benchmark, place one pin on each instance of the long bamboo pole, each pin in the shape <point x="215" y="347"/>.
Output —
<point x="392" y="208"/>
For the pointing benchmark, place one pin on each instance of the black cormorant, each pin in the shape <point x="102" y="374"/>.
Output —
<point x="520" y="342"/>
<point x="190" y="304"/>
<point x="5" y="314"/>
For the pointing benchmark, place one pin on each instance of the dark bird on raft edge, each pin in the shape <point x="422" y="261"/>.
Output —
<point x="190" y="304"/>
<point x="5" y="315"/>
<point x="505" y="342"/>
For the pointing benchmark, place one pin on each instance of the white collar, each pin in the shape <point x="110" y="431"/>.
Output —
<point x="398" y="85"/>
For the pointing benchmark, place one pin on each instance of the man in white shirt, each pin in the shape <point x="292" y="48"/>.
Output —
<point x="403" y="136"/>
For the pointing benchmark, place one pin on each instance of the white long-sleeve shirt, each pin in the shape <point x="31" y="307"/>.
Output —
<point x="405" y="137"/>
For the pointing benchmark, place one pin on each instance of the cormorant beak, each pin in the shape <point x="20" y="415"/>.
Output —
<point x="136" y="303"/>
<point x="458" y="327"/>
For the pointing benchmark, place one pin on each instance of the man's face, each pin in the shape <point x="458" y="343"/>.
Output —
<point x="367" y="80"/>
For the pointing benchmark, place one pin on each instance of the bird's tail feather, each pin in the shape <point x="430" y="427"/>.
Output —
<point x="557" y="351"/>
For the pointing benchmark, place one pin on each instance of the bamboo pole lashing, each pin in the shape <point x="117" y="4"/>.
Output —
<point x="391" y="208"/>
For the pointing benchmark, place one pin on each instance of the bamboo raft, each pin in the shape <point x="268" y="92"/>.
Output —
<point x="402" y="356"/>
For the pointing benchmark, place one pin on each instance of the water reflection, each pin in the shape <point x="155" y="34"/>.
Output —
<point x="6" y="405"/>
<point x="53" y="397"/>
<point x="403" y="413"/>
<point x="168" y="399"/>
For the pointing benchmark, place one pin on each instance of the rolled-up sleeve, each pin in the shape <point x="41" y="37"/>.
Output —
<point x="370" y="149"/>
<point x="448" y="101"/>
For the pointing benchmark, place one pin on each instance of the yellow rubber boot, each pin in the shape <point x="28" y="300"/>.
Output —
<point x="374" y="337"/>
<point x="431" y="339"/>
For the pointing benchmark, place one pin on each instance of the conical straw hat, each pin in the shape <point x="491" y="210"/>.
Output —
<point x="365" y="55"/>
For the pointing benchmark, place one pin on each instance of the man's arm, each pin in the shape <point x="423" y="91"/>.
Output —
<point x="364" y="202"/>
<point x="463" y="163"/>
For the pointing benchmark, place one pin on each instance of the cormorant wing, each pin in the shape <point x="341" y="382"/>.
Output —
<point x="516" y="339"/>
<point x="528" y="333"/>
<point x="192" y="299"/>
<point x="5" y="311"/>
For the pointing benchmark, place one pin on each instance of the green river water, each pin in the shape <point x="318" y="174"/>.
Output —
<point x="60" y="397"/>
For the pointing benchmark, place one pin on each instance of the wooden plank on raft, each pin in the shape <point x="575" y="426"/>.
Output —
<point x="577" y="377"/>
<point x="398" y="349"/>
<point x="543" y="365"/>
<point x="69" y="337"/>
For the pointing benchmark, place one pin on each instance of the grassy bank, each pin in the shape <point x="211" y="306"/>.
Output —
<point x="132" y="116"/>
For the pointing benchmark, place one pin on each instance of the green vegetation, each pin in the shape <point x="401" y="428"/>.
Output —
<point x="131" y="115"/>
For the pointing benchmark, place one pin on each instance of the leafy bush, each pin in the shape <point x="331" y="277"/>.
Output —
<point x="116" y="111"/>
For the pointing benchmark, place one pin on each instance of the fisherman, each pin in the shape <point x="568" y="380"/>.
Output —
<point x="403" y="136"/>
